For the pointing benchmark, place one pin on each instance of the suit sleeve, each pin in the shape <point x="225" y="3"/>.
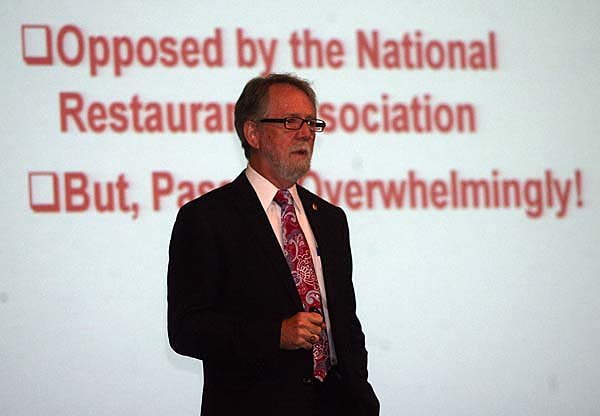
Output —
<point x="354" y="350"/>
<point x="199" y="325"/>
<point x="363" y="400"/>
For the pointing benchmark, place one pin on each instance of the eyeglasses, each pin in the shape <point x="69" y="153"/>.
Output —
<point x="295" y="123"/>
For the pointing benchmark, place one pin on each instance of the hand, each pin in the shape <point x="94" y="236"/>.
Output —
<point x="301" y="331"/>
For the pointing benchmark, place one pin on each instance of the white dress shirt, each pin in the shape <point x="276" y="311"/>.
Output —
<point x="266" y="191"/>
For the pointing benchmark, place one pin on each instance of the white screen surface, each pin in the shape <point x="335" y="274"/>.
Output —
<point x="475" y="249"/>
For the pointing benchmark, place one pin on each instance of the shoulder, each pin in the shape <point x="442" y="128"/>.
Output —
<point x="217" y="201"/>
<point x="315" y="202"/>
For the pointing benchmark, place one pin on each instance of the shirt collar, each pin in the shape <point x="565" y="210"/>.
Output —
<point x="266" y="191"/>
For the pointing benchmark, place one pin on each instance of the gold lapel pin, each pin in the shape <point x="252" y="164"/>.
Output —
<point x="314" y="206"/>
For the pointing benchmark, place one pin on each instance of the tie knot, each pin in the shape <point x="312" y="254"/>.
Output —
<point x="283" y="198"/>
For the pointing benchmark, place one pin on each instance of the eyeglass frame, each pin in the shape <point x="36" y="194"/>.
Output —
<point x="308" y="122"/>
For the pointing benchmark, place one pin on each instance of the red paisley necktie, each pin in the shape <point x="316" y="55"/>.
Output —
<point x="297" y="254"/>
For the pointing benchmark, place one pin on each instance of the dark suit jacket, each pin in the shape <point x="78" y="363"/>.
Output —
<point x="229" y="288"/>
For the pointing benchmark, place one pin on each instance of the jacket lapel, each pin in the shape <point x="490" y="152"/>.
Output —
<point x="250" y="209"/>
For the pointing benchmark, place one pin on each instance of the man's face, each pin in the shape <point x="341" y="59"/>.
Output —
<point x="283" y="156"/>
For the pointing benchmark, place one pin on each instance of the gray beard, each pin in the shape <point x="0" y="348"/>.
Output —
<point x="291" y="173"/>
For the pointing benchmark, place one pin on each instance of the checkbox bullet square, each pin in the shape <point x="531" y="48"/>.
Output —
<point x="36" y="44"/>
<point x="44" y="192"/>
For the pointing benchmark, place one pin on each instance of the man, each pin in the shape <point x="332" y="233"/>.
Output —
<point x="259" y="282"/>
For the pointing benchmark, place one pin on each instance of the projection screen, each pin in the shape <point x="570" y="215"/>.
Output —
<point x="462" y="142"/>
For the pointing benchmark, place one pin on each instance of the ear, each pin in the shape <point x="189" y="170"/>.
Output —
<point x="251" y="133"/>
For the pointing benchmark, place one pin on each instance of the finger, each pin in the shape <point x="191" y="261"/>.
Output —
<point x="307" y="346"/>
<point x="303" y="341"/>
<point x="315" y="318"/>
<point x="310" y="341"/>
<point x="310" y="336"/>
<point x="305" y="322"/>
<point x="314" y="329"/>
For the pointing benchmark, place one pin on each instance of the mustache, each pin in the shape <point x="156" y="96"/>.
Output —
<point x="301" y="149"/>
